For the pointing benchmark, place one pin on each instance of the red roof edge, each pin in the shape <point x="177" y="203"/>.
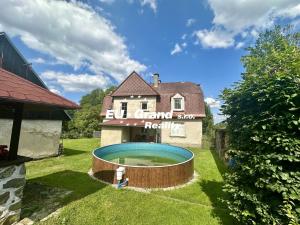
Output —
<point x="66" y="104"/>
<point x="132" y="73"/>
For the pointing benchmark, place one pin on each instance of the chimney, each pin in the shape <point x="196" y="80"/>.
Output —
<point x="156" y="80"/>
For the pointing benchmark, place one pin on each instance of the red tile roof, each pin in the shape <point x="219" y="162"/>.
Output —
<point x="134" y="85"/>
<point x="129" y="122"/>
<point x="17" y="89"/>
<point x="194" y="99"/>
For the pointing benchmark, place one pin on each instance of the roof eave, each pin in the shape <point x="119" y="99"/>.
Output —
<point x="29" y="103"/>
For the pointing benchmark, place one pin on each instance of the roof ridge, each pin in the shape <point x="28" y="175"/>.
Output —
<point x="22" y="57"/>
<point x="131" y="74"/>
<point x="182" y="82"/>
<point x="147" y="83"/>
<point x="31" y="83"/>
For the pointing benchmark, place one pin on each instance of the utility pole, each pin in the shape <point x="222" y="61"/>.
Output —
<point x="1" y="60"/>
<point x="28" y="66"/>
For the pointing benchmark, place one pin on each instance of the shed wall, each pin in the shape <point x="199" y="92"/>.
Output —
<point x="38" y="139"/>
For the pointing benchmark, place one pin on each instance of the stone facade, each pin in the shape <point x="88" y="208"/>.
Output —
<point x="34" y="134"/>
<point x="12" y="182"/>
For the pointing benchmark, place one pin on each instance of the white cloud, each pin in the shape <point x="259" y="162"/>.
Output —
<point x="176" y="49"/>
<point x="213" y="103"/>
<point x="107" y="1"/>
<point x="183" y="37"/>
<point x="38" y="60"/>
<point x="254" y="33"/>
<point x="240" y="45"/>
<point x="214" y="38"/>
<point x="291" y="12"/>
<point x="184" y="44"/>
<point x="151" y="3"/>
<point x="233" y="17"/>
<point x="54" y="90"/>
<point x="72" y="33"/>
<point x="190" y="22"/>
<point x="75" y="82"/>
<point x="218" y="117"/>
<point x="237" y="15"/>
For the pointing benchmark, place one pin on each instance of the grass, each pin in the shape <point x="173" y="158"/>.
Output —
<point x="92" y="202"/>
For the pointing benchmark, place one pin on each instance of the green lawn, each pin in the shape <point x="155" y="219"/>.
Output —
<point x="92" y="202"/>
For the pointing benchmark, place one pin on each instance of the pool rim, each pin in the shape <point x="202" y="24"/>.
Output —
<point x="144" y="166"/>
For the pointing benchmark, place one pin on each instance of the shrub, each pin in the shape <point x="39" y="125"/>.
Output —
<point x="263" y="112"/>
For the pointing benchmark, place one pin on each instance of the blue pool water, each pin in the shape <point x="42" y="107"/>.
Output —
<point x="143" y="154"/>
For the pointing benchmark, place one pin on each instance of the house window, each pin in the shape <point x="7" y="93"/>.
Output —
<point x="124" y="108"/>
<point x="178" y="103"/>
<point x="178" y="129"/>
<point x="144" y="106"/>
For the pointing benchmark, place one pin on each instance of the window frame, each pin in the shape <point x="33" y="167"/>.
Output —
<point x="178" y="134"/>
<point x="144" y="102"/>
<point x="125" y="110"/>
<point x="182" y="102"/>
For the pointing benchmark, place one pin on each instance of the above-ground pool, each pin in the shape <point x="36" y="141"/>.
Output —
<point x="146" y="165"/>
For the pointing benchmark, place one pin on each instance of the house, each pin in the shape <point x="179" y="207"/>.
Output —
<point x="41" y="131"/>
<point x="159" y="112"/>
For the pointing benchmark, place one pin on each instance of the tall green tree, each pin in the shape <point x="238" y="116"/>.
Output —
<point x="263" y="112"/>
<point x="208" y="121"/>
<point x="87" y="119"/>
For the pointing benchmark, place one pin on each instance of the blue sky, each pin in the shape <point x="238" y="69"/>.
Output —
<point x="78" y="46"/>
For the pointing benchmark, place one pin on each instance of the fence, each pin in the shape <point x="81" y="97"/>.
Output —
<point x="221" y="143"/>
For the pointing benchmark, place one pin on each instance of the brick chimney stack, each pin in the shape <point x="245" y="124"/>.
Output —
<point x="156" y="80"/>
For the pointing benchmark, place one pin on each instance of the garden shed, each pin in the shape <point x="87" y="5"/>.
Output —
<point x="42" y="126"/>
<point x="19" y="97"/>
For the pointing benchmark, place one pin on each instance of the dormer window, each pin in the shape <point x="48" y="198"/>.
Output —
<point x="177" y="102"/>
<point x="144" y="106"/>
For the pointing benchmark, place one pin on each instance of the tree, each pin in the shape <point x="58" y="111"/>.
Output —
<point x="263" y="121"/>
<point x="86" y="120"/>
<point x="208" y="121"/>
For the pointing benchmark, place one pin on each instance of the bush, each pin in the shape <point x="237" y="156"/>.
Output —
<point x="263" y="112"/>
<point x="208" y="121"/>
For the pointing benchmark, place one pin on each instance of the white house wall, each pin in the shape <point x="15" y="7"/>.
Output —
<point x="193" y="134"/>
<point x="134" y="104"/>
<point x="114" y="135"/>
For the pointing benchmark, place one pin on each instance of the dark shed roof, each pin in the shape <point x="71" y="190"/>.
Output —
<point x="14" y="62"/>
